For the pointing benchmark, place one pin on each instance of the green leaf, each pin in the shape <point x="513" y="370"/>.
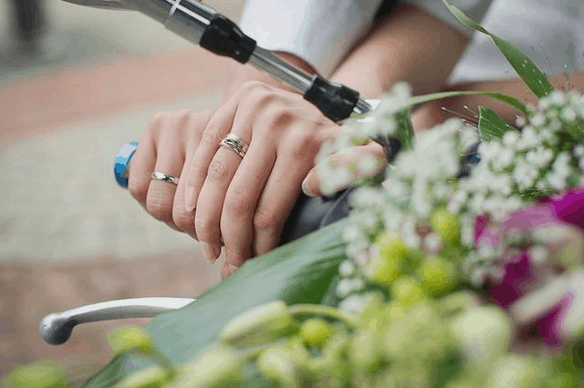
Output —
<point x="492" y="126"/>
<point x="405" y="129"/>
<point x="298" y="272"/>
<point x="485" y="93"/>
<point x="533" y="77"/>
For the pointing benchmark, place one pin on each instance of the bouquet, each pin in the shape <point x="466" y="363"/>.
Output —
<point x="460" y="269"/>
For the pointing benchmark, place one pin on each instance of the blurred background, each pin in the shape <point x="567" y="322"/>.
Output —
<point x="71" y="93"/>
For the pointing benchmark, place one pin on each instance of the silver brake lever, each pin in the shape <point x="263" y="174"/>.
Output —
<point x="56" y="328"/>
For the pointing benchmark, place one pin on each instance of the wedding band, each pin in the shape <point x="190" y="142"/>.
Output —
<point x="235" y="144"/>
<point x="160" y="176"/>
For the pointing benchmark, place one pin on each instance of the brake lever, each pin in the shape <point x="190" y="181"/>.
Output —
<point x="56" y="328"/>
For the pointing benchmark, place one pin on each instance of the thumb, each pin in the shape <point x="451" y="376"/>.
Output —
<point x="310" y="186"/>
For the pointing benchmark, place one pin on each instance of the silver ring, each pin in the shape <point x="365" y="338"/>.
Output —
<point x="235" y="143"/>
<point x="160" y="176"/>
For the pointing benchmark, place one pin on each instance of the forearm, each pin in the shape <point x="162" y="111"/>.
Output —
<point x="408" y="45"/>
<point x="441" y="110"/>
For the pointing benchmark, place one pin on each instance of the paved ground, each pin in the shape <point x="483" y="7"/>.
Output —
<point x="69" y="236"/>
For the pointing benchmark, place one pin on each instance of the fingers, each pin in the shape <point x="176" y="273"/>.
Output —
<point x="282" y="188"/>
<point x="210" y="201"/>
<point x="241" y="201"/>
<point x="355" y="163"/>
<point x="142" y="165"/>
<point x="185" y="220"/>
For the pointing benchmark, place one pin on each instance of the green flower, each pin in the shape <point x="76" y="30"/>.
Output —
<point x="315" y="332"/>
<point x="482" y="333"/>
<point x="130" y="337"/>
<point x="407" y="291"/>
<point x="154" y="377"/>
<point x="216" y="368"/>
<point x="277" y="364"/>
<point x="43" y="374"/>
<point x="436" y="277"/>
<point x="446" y="225"/>
<point x="258" y="325"/>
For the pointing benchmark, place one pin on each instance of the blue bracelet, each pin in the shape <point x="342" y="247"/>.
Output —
<point x="122" y="160"/>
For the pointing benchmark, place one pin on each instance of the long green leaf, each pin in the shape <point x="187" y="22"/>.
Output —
<point x="491" y="126"/>
<point x="485" y="93"/>
<point x="533" y="77"/>
<point x="298" y="272"/>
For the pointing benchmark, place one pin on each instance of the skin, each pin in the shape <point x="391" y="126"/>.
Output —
<point x="242" y="204"/>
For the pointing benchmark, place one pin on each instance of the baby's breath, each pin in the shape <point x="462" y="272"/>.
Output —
<point x="513" y="170"/>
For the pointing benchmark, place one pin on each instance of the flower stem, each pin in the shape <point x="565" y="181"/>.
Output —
<point x="317" y="309"/>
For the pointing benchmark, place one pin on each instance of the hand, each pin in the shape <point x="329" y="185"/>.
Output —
<point x="222" y="198"/>
<point x="312" y="185"/>
<point x="168" y="141"/>
<point x="244" y="202"/>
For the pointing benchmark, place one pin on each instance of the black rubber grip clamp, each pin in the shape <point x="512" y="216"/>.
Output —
<point x="335" y="100"/>
<point x="223" y="37"/>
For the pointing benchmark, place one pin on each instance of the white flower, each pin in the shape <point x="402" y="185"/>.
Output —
<point x="578" y="150"/>
<point x="352" y="304"/>
<point x="538" y="120"/>
<point x="510" y="138"/>
<point x="367" y="165"/>
<point x="557" y="98"/>
<point x="568" y="114"/>
<point x="503" y="160"/>
<point x="520" y="121"/>
<point x="351" y="233"/>
<point x="538" y="253"/>
<point x="478" y="275"/>
<point x="557" y="181"/>
<point x="346" y="268"/>
<point x="344" y="288"/>
<point x="432" y="243"/>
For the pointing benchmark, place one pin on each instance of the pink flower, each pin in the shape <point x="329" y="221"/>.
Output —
<point x="520" y="272"/>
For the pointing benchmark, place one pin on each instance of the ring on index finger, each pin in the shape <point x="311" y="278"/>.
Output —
<point x="235" y="144"/>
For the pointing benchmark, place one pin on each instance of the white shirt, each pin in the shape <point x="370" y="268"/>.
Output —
<point x="551" y="32"/>
<point x="323" y="31"/>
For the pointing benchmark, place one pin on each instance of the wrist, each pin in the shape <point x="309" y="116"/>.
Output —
<point x="249" y="73"/>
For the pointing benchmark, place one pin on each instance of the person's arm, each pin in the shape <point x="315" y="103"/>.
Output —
<point x="408" y="45"/>
<point x="438" y="111"/>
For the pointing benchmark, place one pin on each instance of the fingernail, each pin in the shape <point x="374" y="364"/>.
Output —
<point x="207" y="250"/>
<point x="216" y="252"/>
<point x="190" y="200"/>
<point x="305" y="188"/>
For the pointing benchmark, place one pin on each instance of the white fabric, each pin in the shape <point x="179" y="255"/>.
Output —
<point x="319" y="31"/>
<point x="550" y="32"/>
<point x="474" y="9"/>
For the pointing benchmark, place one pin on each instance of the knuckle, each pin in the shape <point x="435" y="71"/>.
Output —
<point x="218" y="171"/>
<point x="137" y="191"/>
<point x="183" y="220"/>
<point x="204" y="228"/>
<point x="237" y="205"/>
<point x="252" y="85"/>
<point x="265" y="220"/>
<point x="280" y="118"/>
<point x="211" y="135"/>
<point x="159" y="119"/>
<point x="303" y="145"/>
<point x="159" y="208"/>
